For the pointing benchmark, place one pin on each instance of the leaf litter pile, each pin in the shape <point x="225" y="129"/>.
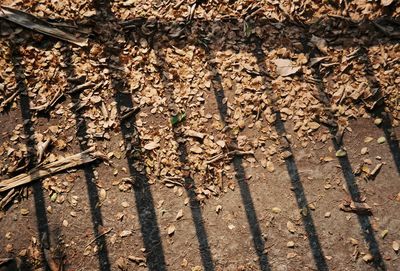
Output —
<point x="206" y="78"/>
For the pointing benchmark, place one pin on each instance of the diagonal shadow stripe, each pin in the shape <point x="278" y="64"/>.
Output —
<point x="347" y="171"/>
<point x="143" y="196"/>
<point x="291" y="167"/>
<point x="379" y="109"/>
<point x="189" y="185"/>
<point x="94" y="202"/>
<point x="40" y="207"/>
<point x="240" y="175"/>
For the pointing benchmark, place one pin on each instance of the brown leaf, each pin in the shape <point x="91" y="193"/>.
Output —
<point x="284" y="67"/>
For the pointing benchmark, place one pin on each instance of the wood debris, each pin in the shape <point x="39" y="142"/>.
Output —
<point x="31" y="22"/>
<point x="49" y="169"/>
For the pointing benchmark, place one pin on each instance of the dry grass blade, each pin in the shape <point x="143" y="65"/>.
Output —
<point x="51" y="168"/>
<point x="31" y="22"/>
<point x="8" y="100"/>
<point x="7" y="199"/>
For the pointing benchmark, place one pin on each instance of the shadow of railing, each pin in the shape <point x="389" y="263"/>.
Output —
<point x="345" y="165"/>
<point x="240" y="173"/>
<point x="189" y="183"/>
<point x="291" y="167"/>
<point x="92" y="192"/>
<point x="379" y="110"/>
<point x="144" y="202"/>
<point x="132" y="142"/>
<point x="40" y="207"/>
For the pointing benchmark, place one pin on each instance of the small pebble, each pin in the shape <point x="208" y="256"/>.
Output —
<point x="327" y="214"/>
<point x="290" y="244"/>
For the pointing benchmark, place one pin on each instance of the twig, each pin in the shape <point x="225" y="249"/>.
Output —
<point x="231" y="153"/>
<point x="41" y="171"/>
<point x="10" y="195"/>
<point x="37" y="24"/>
<point x="104" y="233"/>
<point x="215" y="159"/>
<point x="168" y="180"/>
<point x="130" y="112"/>
<point x="8" y="100"/>
<point x="81" y="87"/>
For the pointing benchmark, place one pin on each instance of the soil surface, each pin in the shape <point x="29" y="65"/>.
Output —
<point x="232" y="138"/>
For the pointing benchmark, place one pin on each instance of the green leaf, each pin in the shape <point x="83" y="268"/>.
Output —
<point x="178" y="118"/>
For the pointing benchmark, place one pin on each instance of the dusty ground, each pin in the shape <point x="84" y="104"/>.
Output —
<point x="270" y="183"/>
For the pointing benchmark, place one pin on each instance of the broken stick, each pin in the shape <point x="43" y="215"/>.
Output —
<point x="51" y="168"/>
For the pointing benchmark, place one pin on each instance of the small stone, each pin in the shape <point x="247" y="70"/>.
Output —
<point x="384" y="233"/>
<point x="327" y="214"/>
<point x="341" y="153"/>
<point x="290" y="227"/>
<point x="24" y="211"/>
<point x="276" y="210"/>
<point x="396" y="245"/>
<point x="364" y="150"/>
<point x="291" y="255"/>
<point x="368" y="139"/>
<point x="381" y="140"/>
<point x="378" y="121"/>
<point x="368" y="258"/>
<point x="125" y="204"/>
<point x="290" y="244"/>
<point x="125" y="233"/>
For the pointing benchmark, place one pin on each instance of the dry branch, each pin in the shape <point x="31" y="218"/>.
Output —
<point x="34" y="23"/>
<point x="50" y="169"/>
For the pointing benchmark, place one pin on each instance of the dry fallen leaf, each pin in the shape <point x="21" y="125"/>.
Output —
<point x="386" y="3"/>
<point x="285" y="67"/>
<point x="151" y="146"/>
<point x="320" y="43"/>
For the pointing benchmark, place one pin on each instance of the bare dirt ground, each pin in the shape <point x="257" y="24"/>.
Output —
<point x="236" y="135"/>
